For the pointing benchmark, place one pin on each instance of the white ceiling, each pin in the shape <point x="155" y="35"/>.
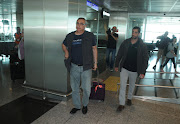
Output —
<point x="132" y="6"/>
<point x="140" y="6"/>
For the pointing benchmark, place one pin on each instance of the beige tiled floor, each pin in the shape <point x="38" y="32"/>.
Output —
<point x="141" y="112"/>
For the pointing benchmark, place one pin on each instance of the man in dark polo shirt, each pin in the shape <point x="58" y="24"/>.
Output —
<point x="132" y="60"/>
<point x="80" y="58"/>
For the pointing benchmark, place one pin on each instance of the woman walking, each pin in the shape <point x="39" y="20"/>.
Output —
<point x="170" y="54"/>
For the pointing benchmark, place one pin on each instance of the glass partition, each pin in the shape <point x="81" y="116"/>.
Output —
<point x="157" y="26"/>
<point x="98" y="24"/>
<point x="153" y="26"/>
<point x="7" y="27"/>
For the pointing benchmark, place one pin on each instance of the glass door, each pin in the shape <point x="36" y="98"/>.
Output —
<point x="7" y="26"/>
<point x="98" y="25"/>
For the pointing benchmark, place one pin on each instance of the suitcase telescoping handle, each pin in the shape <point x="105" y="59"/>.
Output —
<point x="97" y="76"/>
<point x="97" y="72"/>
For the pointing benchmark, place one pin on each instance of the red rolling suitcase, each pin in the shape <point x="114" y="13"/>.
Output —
<point x="97" y="90"/>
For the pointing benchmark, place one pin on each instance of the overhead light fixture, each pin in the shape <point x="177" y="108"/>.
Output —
<point x="106" y="13"/>
<point x="92" y="5"/>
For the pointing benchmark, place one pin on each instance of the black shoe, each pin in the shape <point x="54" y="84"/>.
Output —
<point x="129" y="103"/>
<point x="161" y="67"/>
<point x="154" y="67"/>
<point x="84" y="110"/>
<point x="74" y="110"/>
<point x="120" y="108"/>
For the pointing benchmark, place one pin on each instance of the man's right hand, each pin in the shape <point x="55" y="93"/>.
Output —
<point x="66" y="55"/>
<point x="116" y="69"/>
<point x="16" y="46"/>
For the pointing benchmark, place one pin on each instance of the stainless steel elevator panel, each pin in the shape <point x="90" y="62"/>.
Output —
<point x="76" y="9"/>
<point x="33" y="28"/>
<point x="82" y="8"/>
<point x="46" y="23"/>
<point x="72" y="14"/>
<point x="119" y="19"/>
<point x="56" y="16"/>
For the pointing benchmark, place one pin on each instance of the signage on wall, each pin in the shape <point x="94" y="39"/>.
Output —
<point x="92" y="5"/>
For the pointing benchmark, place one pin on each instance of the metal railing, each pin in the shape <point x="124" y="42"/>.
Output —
<point x="176" y="88"/>
<point x="46" y="91"/>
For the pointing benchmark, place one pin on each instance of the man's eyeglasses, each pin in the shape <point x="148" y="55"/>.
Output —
<point x="77" y="23"/>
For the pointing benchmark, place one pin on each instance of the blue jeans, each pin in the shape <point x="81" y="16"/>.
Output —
<point x="77" y="74"/>
<point x="108" y="52"/>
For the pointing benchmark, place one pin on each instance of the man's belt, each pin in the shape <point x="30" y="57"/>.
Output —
<point x="78" y="64"/>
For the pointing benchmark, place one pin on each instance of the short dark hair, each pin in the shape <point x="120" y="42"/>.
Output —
<point x="81" y="18"/>
<point x="139" y="30"/>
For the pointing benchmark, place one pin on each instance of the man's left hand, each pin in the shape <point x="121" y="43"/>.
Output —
<point x="141" y="76"/>
<point x="95" y="66"/>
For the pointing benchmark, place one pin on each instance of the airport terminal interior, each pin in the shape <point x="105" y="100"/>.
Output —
<point x="42" y="95"/>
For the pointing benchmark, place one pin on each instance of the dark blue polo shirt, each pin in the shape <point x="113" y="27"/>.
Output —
<point x="76" y="49"/>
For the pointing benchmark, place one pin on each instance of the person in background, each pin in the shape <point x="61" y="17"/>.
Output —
<point x="17" y="36"/>
<point x="80" y="57"/>
<point x="132" y="60"/>
<point x="176" y="44"/>
<point x="111" y="47"/>
<point x="170" y="54"/>
<point x="162" y="45"/>
<point x="21" y="46"/>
